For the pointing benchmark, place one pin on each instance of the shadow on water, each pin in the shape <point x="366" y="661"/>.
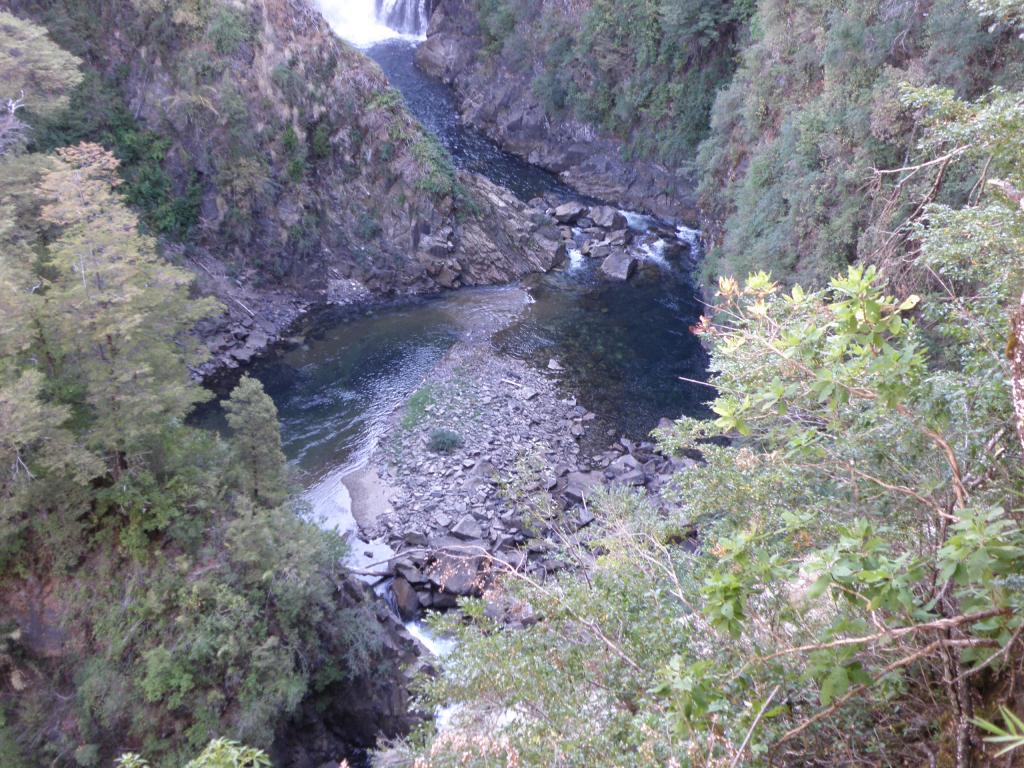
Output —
<point x="433" y="104"/>
<point x="622" y="346"/>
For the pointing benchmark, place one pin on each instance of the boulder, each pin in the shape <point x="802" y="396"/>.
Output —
<point x="620" y="265"/>
<point x="456" y="573"/>
<point x="580" y="486"/>
<point x="606" y="217"/>
<point x="467" y="528"/>
<point x="570" y="213"/>
<point x="406" y="599"/>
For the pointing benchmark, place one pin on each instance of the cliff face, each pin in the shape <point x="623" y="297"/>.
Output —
<point x="499" y="95"/>
<point x="313" y="181"/>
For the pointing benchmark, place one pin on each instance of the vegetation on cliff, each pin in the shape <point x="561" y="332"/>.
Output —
<point x="157" y="586"/>
<point x="251" y="130"/>
<point x="857" y="596"/>
<point x="644" y="71"/>
<point x="815" y="107"/>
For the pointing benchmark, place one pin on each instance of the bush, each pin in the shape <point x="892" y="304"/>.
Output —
<point x="444" y="441"/>
<point x="229" y="29"/>
<point x="98" y="113"/>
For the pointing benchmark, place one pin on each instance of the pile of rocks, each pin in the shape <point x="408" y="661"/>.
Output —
<point x="605" y="233"/>
<point x="513" y="484"/>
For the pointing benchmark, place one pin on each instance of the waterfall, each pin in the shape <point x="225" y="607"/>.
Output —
<point x="409" y="17"/>
<point x="367" y="22"/>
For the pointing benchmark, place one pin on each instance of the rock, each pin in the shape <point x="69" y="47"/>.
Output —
<point x="580" y="485"/>
<point x="620" y="265"/>
<point x="455" y="573"/>
<point x="406" y="599"/>
<point x="569" y="213"/>
<point x="554" y="365"/>
<point x="527" y="393"/>
<point x="607" y="217"/>
<point x="410" y="573"/>
<point x="620" y="238"/>
<point x="467" y="528"/>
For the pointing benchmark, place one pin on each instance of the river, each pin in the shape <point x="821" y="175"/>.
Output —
<point x="623" y="346"/>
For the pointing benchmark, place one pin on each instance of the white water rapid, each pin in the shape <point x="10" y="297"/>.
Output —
<point x="367" y="22"/>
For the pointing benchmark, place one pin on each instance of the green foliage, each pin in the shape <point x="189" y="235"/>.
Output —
<point x="444" y="441"/>
<point x="34" y="68"/>
<point x="815" y="107"/>
<point x="437" y="172"/>
<point x="320" y="142"/>
<point x="644" y="71"/>
<point x="196" y="604"/>
<point x="295" y="152"/>
<point x="416" y="407"/>
<point x="260" y="462"/>
<point x="861" y="540"/>
<point x="98" y="114"/>
<point x="290" y="82"/>
<point x="1009" y="738"/>
<point x="219" y="753"/>
<point x="230" y="29"/>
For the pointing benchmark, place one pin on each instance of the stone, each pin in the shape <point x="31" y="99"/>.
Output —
<point x="554" y="365"/>
<point x="620" y="265"/>
<point x="415" y="539"/>
<point x="580" y="486"/>
<point x="606" y="217"/>
<point x="467" y="528"/>
<point x="569" y="213"/>
<point x="455" y="573"/>
<point x="406" y="599"/>
<point x="410" y="573"/>
<point x="620" y="237"/>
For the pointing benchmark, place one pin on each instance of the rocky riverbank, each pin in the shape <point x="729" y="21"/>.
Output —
<point x="489" y="466"/>
<point x="503" y="240"/>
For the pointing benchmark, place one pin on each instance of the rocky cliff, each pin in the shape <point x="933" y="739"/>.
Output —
<point x="314" y="183"/>
<point x="498" y="92"/>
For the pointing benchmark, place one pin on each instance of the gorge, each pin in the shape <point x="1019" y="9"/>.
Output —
<point x="499" y="383"/>
<point x="622" y="348"/>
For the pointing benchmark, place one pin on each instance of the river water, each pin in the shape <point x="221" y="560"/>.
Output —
<point x="623" y="346"/>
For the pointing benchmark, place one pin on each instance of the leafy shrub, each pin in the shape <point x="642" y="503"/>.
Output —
<point x="97" y="113"/>
<point x="444" y="441"/>
<point x="437" y="173"/>
<point x="229" y="29"/>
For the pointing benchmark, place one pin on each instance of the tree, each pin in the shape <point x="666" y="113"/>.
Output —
<point x="260" y="468"/>
<point x="38" y="75"/>
<point x="115" y="315"/>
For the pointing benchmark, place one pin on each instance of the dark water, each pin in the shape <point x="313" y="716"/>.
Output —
<point x="433" y="104"/>
<point x="622" y="345"/>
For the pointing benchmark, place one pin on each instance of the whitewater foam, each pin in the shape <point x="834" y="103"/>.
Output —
<point x="356" y="21"/>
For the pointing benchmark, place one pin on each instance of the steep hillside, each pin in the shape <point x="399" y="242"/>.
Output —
<point x="282" y="153"/>
<point x="787" y="171"/>
<point x="613" y="96"/>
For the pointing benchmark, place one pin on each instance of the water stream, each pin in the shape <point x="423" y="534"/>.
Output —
<point x="623" y="346"/>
